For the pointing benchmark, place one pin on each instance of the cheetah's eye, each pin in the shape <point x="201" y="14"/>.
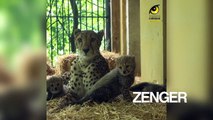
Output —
<point x="120" y="67"/>
<point x="79" y="40"/>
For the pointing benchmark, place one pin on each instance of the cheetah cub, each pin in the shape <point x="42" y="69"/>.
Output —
<point x="55" y="87"/>
<point x="116" y="82"/>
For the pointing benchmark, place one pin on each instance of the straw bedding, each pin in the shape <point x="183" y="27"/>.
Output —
<point x="64" y="62"/>
<point x="117" y="110"/>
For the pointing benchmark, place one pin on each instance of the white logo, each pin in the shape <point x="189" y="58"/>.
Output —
<point x="162" y="97"/>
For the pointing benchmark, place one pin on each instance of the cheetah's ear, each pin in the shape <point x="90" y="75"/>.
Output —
<point x="101" y="34"/>
<point x="76" y="32"/>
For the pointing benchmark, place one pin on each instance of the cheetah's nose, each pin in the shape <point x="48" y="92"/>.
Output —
<point x="86" y="50"/>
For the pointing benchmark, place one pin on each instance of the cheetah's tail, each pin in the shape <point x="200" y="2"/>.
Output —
<point x="141" y="86"/>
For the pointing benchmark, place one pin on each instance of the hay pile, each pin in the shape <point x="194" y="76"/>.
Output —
<point x="110" y="58"/>
<point x="64" y="62"/>
<point x="117" y="110"/>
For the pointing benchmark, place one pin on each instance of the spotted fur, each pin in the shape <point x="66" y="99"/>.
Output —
<point x="87" y="68"/>
<point x="117" y="81"/>
<point x="66" y="77"/>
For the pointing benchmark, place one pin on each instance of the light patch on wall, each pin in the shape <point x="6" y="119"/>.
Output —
<point x="154" y="13"/>
<point x="127" y="27"/>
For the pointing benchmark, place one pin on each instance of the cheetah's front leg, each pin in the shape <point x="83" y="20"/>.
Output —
<point x="99" y="88"/>
<point x="75" y="87"/>
<point x="126" y="94"/>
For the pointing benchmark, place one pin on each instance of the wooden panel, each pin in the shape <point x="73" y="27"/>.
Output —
<point x="165" y="42"/>
<point x="187" y="43"/>
<point x="123" y="27"/>
<point x="133" y="40"/>
<point x="115" y="15"/>
<point x="151" y="32"/>
<point x="210" y="42"/>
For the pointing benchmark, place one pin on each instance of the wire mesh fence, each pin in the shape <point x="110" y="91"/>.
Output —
<point x="63" y="16"/>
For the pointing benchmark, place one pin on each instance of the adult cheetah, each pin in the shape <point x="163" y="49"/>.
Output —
<point x="87" y="68"/>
